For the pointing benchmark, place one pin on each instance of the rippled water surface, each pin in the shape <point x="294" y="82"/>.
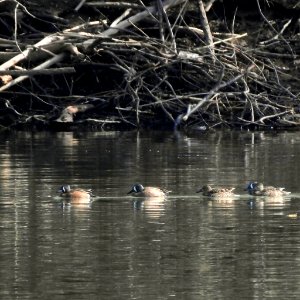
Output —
<point x="120" y="247"/>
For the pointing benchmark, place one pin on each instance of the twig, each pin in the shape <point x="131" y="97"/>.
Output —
<point x="275" y="55"/>
<point x="271" y="26"/>
<point x="160" y="21"/>
<point x="38" y="72"/>
<point x="16" y="26"/>
<point x="165" y="16"/>
<point x="8" y="105"/>
<point x="206" y="29"/>
<point x="209" y="4"/>
<point x="85" y="25"/>
<point x="278" y="34"/>
<point x="120" y="18"/>
<point x="114" y="4"/>
<point x="262" y="119"/>
<point x="213" y="91"/>
<point x="224" y="40"/>
<point x="79" y="5"/>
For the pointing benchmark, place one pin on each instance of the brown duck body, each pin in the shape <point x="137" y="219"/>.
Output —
<point x="258" y="189"/>
<point x="75" y="195"/>
<point x="139" y="190"/>
<point x="208" y="191"/>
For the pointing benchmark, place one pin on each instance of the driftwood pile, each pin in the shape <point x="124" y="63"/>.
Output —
<point x="171" y="64"/>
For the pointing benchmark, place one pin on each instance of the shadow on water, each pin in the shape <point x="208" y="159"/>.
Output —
<point x="121" y="247"/>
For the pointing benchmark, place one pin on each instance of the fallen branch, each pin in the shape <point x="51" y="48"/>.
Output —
<point x="46" y="64"/>
<point x="132" y="20"/>
<point x="25" y="54"/>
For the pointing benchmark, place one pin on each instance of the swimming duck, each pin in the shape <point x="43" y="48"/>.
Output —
<point x="75" y="195"/>
<point x="139" y="190"/>
<point x="258" y="189"/>
<point x="207" y="190"/>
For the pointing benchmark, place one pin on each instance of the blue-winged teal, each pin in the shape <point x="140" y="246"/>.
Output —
<point x="148" y="191"/>
<point x="207" y="190"/>
<point x="258" y="189"/>
<point x="75" y="195"/>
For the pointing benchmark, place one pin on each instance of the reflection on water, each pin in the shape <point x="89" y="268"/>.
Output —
<point x="153" y="207"/>
<point x="117" y="247"/>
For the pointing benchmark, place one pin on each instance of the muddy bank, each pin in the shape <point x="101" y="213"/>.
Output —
<point x="162" y="64"/>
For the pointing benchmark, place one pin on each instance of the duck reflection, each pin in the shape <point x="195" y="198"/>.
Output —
<point x="267" y="202"/>
<point x="220" y="197"/>
<point x="275" y="201"/>
<point x="67" y="205"/>
<point x="225" y="202"/>
<point x="152" y="206"/>
<point x="67" y="139"/>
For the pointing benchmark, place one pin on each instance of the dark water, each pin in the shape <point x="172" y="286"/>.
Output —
<point x="186" y="247"/>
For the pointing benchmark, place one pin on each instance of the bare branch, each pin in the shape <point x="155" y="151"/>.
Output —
<point x="206" y="28"/>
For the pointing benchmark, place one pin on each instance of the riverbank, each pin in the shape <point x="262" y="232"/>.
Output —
<point x="119" y="65"/>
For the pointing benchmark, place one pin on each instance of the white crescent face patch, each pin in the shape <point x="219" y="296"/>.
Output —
<point x="137" y="188"/>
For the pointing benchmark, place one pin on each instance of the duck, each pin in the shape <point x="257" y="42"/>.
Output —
<point x="258" y="189"/>
<point x="138" y="190"/>
<point x="75" y="195"/>
<point x="207" y="190"/>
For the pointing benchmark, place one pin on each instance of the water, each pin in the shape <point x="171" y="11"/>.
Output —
<point x="186" y="247"/>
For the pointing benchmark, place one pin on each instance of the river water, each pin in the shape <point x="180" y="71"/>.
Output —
<point x="119" y="247"/>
